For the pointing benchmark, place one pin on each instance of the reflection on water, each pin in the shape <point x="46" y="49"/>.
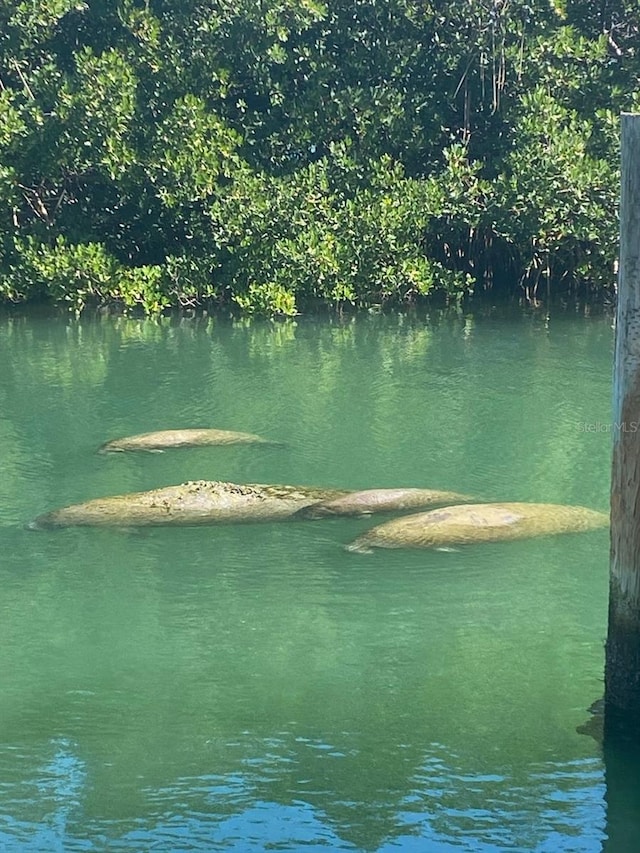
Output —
<point x="256" y="687"/>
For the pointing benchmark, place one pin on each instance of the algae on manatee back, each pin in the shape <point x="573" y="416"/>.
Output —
<point x="197" y="502"/>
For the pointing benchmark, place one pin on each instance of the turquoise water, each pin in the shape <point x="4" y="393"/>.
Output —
<point x="256" y="687"/>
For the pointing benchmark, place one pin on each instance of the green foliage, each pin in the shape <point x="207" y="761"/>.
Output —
<point x="83" y="274"/>
<point x="192" y="151"/>
<point x="267" y="298"/>
<point x="189" y="281"/>
<point x="163" y="153"/>
<point x="96" y="111"/>
<point x="332" y="231"/>
<point x="559" y="197"/>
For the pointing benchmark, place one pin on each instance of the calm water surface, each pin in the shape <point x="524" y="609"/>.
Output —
<point x="256" y="687"/>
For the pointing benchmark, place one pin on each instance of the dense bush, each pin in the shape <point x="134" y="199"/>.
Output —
<point x="167" y="153"/>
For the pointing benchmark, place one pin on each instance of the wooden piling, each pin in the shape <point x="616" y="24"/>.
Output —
<point x="622" y="666"/>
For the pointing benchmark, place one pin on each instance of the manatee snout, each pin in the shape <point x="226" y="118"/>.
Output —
<point x="39" y="523"/>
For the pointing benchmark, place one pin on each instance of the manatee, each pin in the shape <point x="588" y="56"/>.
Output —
<point x="197" y="502"/>
<point x="470" y="523"/>
<point x="380" y="500"/>
<point x="159" y="441"/>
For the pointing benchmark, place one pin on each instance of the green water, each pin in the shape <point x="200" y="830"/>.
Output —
<point x="257" y="687"/>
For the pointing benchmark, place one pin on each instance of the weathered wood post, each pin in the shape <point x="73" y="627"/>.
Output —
<point x="622" y="667"/>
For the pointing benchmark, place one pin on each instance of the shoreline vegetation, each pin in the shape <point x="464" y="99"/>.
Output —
<point x="259" y="158"/>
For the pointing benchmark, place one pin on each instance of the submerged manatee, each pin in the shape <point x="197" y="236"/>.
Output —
<point x="369" y="501"/>
<point x="199" y="502"/>
<point x="158" y="441"/>
<point x="466" y="524"/>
